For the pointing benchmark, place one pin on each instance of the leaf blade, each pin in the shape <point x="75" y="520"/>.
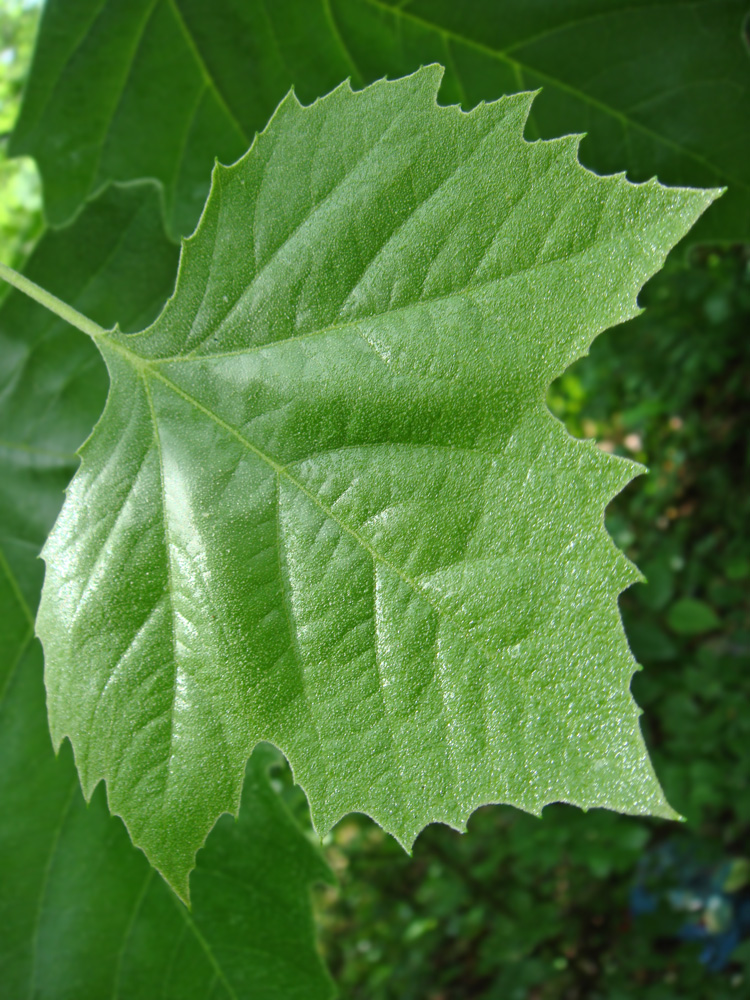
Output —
<point x="311" y="481"/>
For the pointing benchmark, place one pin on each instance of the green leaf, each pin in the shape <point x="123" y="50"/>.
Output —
<point x="82" y="914"/>
<point x="659" y="588"/>
<point x="692" y="617"/>
<point x="326" y="505"/>
<point x="737" y="568"/>
<point x="661" y="88"/>
<point x="178" y="83"/>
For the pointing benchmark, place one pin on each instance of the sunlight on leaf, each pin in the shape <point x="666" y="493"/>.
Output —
<point x="326" y="505"/>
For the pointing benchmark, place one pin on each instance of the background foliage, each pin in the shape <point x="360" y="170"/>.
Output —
<point x="20" y="198"/>
<point x="597" y="905"/>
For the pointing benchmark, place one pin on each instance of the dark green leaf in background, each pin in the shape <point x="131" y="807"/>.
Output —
<point x="326" y="505"/>
<point x="689" y="616"/>
<point x="662" y="88"/>
<point x="82" y="914"/>
<point x="179" y="83"/>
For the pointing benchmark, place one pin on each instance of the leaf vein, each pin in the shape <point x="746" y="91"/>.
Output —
<point x="22" y="647"/>
<point x="289" y="614"/>
<point x="15" y="587"/>
<point x="308" y="219"/>
<point x="361" y="320"/>
<point x="170" y="583"/>
<point x="191" y="925"/>
<point x="129" y="930"/>
<point x="204" y="70"/>
<point x="45" y="882"/>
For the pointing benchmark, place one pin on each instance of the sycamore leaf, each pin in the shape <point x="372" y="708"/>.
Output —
<point x="82" y="915"/>
<point x="662" y="89"/>
<point x="326" y="505"/>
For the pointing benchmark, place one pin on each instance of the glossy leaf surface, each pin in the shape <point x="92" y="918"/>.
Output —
<point x="326" y="505"/>
<point x="662" y="89"/>
<point x="82" y="914"/>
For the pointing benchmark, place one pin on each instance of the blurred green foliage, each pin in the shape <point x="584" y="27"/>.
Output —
<point x="21" y="198"/>
<point x="541" y="909"/>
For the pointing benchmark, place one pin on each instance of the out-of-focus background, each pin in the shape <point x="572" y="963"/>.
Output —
<point x="20" y="189"/>
<point x="599" y="905"/>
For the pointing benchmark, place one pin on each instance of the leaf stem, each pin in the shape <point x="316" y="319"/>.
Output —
<point x="51" y="302"/>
